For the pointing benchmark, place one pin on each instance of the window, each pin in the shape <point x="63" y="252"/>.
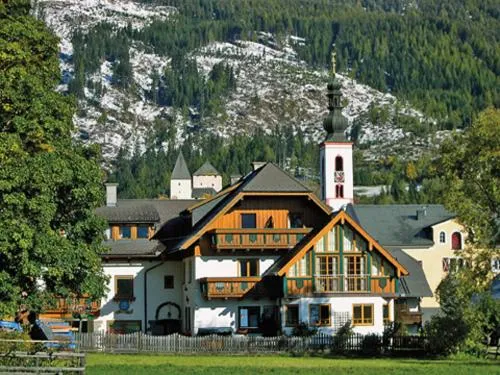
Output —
<point x="296" y="220"/>
<point x="348" y="239"/>
<point x="495" y="265"/>
<point x="456" y="241"/>
<point x="142" y="231"/>
<point x="339" y="191"/>
<point x="327" y="280"/>
<point x="442" y="237"/>
<point x="355" y="278"/>
<point x="339" y="163"/>
<point x="124" y="326"/>
<point x="124" y="287"/>
<point x="248" y="221"/>
<point x="386" y="314"/>
<point x="292" y="315"/>
<point x="319" y="315"/>
<point x="168" y="282"/>
<point x="362" y="315"/>
<point x="249" y="267"/>
<point x="125" y="232"/>
<point x="302" y="267"/>
<point x="249" y="317"/>
<point x="453" y="264"/>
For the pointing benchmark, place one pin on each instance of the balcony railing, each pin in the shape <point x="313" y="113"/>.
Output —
<point x="404" y="315"/>
<point x="257" y="238"/>
<point x="65" y="306"/>
<point x="351" y="284"/>
<point x="239" y="287"/>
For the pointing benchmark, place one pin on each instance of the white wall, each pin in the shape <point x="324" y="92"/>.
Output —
<point x="341" y="304"/>
<point x="214" y="182"/>
<point x="226" y="266"/>
<point x="180" y="189"/>
<point x="156" y="292"/>
<point x="329" y="151"/>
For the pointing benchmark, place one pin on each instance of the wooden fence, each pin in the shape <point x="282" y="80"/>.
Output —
<point x="42" y="363"/>
<point x="141" y="343"/>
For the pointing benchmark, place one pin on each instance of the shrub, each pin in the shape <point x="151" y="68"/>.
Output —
<point x="371" y="345"/>
<point x="341" y="338"/>
<point x="445" y="334"/>
<point x="303" y="330"/>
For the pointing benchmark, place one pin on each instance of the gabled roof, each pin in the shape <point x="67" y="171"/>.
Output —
<point x="207" y="169"/>
<point x="341" y="216"/>
<point x="266" y="179"/>
<point x="181" y="170"/>
<point x="398" y="224"/>
<point x="270" y="178"/>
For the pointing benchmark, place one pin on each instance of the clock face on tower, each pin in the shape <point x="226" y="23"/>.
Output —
<point x="339" y="176"/>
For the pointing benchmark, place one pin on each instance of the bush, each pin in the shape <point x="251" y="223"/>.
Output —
<point x="371" y="345"/>
<point x="341" y="338"/>
<point x="303" y="330"/>
<point x="445" y="334"/>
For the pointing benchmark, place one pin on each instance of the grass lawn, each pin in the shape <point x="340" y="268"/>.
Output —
<point x="239" y="365"/>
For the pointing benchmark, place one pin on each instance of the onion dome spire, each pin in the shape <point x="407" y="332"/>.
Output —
<point x="335" y="123"/>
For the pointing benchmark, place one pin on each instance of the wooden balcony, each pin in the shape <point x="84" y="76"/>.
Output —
<point x="405" y="316"/>
<point x="257" y="238"/>
<point x="339" y="284"/>
<point x="66" y="307"/>
<point x="239" y="287"/>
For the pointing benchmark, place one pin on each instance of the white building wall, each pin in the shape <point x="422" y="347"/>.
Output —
<point x="157" y="294"/>
<point x="341" y="304"/>
<point x="181" y="189"/>
<point x="329" y="151"/>
<point x="226" y="266"/>
<point x="214" y="182"/>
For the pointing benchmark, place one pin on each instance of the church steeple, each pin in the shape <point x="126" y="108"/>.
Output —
<point x="336" y="151"/>
<point x="335" y="123"/>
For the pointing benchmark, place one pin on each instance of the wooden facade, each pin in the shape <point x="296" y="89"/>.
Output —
<point x="230" y="239"/>
<point x="66" y="307"/>
<point x="240" y="287"/>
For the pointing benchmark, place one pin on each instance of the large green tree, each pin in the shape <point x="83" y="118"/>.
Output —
<point x="470" y="163"/>
<point x="50" y="238"/>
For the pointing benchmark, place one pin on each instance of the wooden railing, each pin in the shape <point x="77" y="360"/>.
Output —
<point x="228" y="287"/>
<point x="257" y="238"/>
<point x="72" y="305"/>
<point x="405" y="316"/>
<point x="340" y="284"/>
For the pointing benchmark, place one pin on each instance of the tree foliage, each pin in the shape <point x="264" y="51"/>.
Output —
<point x="49" y="186"/>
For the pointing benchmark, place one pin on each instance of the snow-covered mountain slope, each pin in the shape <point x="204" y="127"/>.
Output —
<point x="274" y="88"/>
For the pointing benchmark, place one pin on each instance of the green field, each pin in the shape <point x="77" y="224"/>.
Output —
<point x="239" y="365"/>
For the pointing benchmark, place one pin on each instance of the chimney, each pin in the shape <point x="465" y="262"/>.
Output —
<point x="235" y="178"/>
<point x="257" y="164"/>
<point x="111" y="194"/>
<point x="421" y="213"/>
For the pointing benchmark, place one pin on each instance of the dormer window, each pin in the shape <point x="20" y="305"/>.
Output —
<point x="248" y="221"/>
<point x="442" y="237"/>
<point x="456" y="241"/>
<point x="142" y="231"/>
<point x="125" y="232"/>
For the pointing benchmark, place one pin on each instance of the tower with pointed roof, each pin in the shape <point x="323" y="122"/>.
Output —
<point x="336" y="163"/>
<point x="180" y="181"/>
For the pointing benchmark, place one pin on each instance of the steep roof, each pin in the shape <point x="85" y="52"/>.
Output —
<point x="181" y="170"/>
<point x="206" y="169"/>
<point x="400" y="225"/>
<point x="415" y="283"/>
<point x="270" y="178"/>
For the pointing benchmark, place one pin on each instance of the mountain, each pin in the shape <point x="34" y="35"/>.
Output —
<point x="224" y="67"/>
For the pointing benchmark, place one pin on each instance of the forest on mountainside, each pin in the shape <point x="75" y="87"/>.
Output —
<point x="443" y="57"/>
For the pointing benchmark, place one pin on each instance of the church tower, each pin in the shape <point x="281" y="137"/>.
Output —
<point x="336" y="165"/>
<point x="180" y="181"/>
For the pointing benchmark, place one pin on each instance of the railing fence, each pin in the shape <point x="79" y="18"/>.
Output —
<point x="175" y="343"/>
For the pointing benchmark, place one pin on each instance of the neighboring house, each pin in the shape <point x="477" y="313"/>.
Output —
<point x="204" y="183"/>
<point x="429" y="234"/>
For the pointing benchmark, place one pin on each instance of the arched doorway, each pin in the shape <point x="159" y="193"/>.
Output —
<point x="167" y="319"/>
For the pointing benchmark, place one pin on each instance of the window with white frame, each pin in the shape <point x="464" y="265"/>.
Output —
<point x="495" y="265"/>
<point x="442" y="237"/>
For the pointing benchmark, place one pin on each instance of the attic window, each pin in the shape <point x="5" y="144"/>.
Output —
<point x="125" y="232"/>
<point x="142" y="231"/>
<point x="248" y="221"/>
